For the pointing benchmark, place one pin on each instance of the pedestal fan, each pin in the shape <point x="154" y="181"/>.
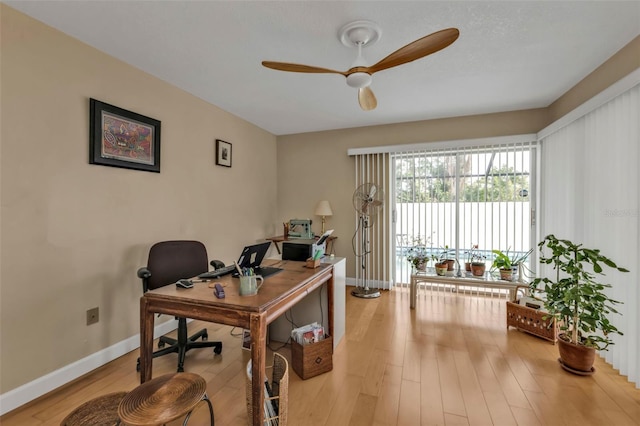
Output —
<point x="367" y="200"/>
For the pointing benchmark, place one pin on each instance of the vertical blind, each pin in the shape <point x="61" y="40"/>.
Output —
<point x="458" y="198"/>
<point x="590" y="195"/>
<point x="371" y="245"/>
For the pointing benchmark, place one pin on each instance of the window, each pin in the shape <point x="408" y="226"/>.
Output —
<point x="461" y="197"/>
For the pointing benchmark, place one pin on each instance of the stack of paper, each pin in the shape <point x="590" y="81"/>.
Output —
<point x="306" y="334"/>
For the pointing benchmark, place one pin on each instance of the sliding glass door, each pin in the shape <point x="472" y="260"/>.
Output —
<point x="455" y="199"/>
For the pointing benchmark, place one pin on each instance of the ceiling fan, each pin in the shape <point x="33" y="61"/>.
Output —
<point x="362" y="34"/>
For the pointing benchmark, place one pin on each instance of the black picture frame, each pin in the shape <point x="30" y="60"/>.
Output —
<point x="223" y="153"/>
<point x="122" y="138"/>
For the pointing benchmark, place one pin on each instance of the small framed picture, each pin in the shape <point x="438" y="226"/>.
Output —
<point x="223" y="153"/>
<point x="121" y="138"/>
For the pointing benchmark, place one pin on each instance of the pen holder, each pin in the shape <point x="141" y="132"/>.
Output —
<point x="249" y="284"/>
<point x="311" y="263"/>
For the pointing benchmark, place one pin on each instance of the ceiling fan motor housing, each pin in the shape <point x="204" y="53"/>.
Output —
<point x="359" y="80"/>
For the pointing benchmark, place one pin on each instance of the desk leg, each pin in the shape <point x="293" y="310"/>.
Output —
<point x="146" y="340"/>
<point x="258" y="328"/>
<point x="330" y="290"/>
<point x="277" y="247"/>
<point x="412" y="292"/>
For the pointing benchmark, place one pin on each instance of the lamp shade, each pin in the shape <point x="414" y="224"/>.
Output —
<point x="323" y="208"/>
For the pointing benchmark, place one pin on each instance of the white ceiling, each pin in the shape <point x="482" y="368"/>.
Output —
<point x="511" y="55"/>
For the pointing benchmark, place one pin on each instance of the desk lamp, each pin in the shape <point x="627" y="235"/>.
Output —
<point x="323" y="209"/>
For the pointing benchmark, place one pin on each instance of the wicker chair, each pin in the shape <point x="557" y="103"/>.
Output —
<point x="279" y="394"/>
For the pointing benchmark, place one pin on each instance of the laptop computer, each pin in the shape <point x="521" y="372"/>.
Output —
<point x="251" y="257"/>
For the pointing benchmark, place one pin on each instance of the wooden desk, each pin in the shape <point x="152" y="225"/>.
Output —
<point x="278" y="294"/>
<point x="281" y="238"/>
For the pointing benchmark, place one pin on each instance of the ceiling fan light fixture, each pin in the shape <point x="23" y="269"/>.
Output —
<point x="359" y="80"/>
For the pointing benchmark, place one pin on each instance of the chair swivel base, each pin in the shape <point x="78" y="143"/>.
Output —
<point x="183" y="344"/>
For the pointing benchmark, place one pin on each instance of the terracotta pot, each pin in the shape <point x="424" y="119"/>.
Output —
<point x="467" y="266"/>
<point x="450" y="264"/>
<point x="441" y="268"/>
<point x="478" y="269"/>
<point x="576" y="357"/>
<point x="506" y="274"/>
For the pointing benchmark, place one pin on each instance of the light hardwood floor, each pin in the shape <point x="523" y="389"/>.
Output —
<point x="451" y="361"/>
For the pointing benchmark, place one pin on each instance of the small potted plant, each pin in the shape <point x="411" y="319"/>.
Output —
<point x="576" y="298"/>
<point x="469" y="257"/>
<point x="476" y="261"/>
<point x="503" y="263"/>
<point x="508" y="265"/>
<point x="443" y="261"/>
<point x="518" y="264"/>
<point x="419" y="254"/>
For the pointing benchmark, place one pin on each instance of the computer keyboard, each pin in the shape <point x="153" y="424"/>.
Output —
<point x="218" y="272"/>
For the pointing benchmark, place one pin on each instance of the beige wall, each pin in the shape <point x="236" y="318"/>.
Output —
<point x="74" y="234"/>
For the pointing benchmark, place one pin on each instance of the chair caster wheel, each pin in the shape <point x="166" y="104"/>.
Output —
<point x="205" y="337"/>
<point x="138" y="366"/>
<point x="217" y="350"/>
<point x="160" y="344"/>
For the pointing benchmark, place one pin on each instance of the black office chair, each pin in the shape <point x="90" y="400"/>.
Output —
<point x="168" y="262"/>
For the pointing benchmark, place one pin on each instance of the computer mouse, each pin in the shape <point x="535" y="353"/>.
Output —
<point x="184" y="284"/>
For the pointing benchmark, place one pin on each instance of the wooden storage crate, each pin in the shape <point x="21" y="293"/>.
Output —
<point x="312" y="359"/>
<point x="531" y="321"/>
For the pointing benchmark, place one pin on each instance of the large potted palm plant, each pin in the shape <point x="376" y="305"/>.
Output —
<point x="578" y="301"/>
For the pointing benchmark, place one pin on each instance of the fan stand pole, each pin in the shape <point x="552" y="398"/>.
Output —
<point x="364" y="291"/>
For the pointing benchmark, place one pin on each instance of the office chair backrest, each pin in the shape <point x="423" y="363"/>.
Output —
<point x="170" y="261"/>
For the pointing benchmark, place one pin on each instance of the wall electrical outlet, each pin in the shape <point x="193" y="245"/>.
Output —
<point x="93" y="316"/>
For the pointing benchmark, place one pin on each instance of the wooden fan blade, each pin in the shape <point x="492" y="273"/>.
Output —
<point x="284" y="66"/>
<point x="367" y="99"/>
<point x="418" y="49"/>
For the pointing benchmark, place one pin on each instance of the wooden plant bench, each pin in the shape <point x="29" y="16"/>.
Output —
<point x="486" y="281"/>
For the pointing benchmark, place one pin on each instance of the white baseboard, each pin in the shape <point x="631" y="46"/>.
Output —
<point x="29" y="391"/>
<point x="377" y="284"/>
